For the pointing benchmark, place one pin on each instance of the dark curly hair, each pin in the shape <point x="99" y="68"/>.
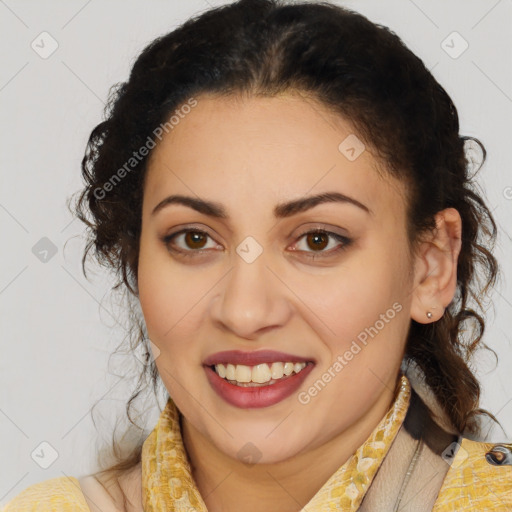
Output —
<point x="358" y="69"/>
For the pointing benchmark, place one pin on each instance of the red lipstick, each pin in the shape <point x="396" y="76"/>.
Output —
<point x="253" y="358"/>
<point x="247" y="397"/>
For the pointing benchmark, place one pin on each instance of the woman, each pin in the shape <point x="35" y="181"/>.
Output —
<point x="284" y="190"/>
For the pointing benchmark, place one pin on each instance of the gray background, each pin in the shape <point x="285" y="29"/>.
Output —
<point x="58" y="329"/>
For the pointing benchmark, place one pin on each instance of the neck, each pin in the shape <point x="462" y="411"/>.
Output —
<point x="225" y="483"/>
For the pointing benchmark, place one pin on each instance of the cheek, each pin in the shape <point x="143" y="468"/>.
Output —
<point x="166" y="296"/>
<point x="153" y="294"/>
<point x="367" y="286"/>
<point x="366" y="299"/>
<point x="361" y="316"/>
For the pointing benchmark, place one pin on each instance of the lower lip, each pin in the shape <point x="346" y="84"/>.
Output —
<point x="256" y="397"/>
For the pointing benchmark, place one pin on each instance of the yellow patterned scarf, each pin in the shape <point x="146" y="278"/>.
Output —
<point x="167" y="482"/>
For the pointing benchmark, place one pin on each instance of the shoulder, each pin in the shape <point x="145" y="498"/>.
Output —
<point x="60" y="494"/>
<point x="121" y="494"/>
<point x="480" y="478"/>
<point x="99" y="496"/>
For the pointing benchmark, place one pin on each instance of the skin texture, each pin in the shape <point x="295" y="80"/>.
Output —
<point x="114" y="496"/>
<point x="249" y="155"/>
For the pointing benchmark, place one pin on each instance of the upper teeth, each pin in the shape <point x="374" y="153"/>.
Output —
<point x="260" y="373"/>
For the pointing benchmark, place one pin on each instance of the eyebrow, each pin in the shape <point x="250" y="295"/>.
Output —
<point x="282" y="210"/>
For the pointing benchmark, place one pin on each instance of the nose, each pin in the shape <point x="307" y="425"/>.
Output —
<point x="252" y="299"/>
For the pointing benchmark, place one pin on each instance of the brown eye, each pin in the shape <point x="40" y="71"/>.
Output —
<point x="188" y="242"/>
<point x="195" y="239"/>
<point x="317" y="240"/>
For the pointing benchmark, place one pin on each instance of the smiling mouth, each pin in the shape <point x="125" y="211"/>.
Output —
<point x="259" y="375"/>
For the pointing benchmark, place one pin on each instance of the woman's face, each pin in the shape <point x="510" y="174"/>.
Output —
<point x="248" y="281"/>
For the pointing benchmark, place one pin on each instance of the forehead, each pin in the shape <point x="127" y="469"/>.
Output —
<point x="265" y="148"/>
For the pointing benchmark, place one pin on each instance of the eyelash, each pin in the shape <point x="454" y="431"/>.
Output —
<point x="192" y="253"/>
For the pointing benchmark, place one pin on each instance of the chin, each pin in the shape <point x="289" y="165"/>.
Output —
<point x="262" y="451"/>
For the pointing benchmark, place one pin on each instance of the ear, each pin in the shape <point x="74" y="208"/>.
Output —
<point x="435" y="268"/>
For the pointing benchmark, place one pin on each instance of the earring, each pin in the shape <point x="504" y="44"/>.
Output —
<point x="429" y="314"/>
